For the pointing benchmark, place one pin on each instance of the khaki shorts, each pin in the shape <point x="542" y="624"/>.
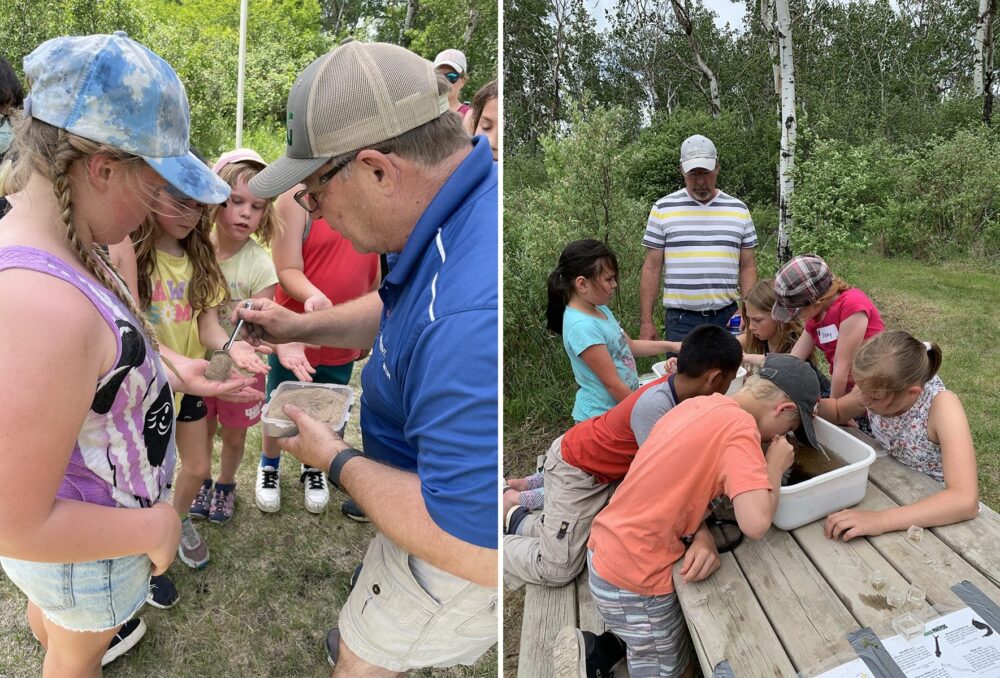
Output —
<point x="404" y="613"/>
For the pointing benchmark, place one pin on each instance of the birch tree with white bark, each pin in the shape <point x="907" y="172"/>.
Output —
<point x="982" y="69"/>
<point x="786" y="160"/>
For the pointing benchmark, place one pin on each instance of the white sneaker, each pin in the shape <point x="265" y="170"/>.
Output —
<point x="267" y="491"/>
<point x="316" y="491"/>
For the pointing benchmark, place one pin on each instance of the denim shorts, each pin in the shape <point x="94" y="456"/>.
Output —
<point x="94" y="596"/>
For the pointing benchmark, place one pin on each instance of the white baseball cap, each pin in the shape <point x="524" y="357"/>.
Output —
<point x="698" y="152"/>
<point x="451" y="57"/>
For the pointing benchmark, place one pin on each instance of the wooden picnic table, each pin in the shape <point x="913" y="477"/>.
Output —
<point x="786" y="604"/>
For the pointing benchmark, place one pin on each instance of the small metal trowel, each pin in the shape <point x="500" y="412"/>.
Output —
<point x="221" y="364"/>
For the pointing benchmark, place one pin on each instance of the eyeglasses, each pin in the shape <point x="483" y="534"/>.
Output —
<point x="453" y="77"/>
<point x="309" y="200"/>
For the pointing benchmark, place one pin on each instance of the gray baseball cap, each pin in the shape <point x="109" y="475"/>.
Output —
<point x="799" y="382"/>
<point x="358" y="95"/>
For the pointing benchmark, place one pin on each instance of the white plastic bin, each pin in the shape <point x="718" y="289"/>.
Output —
<point x="279" y="428"/>
<point x="820" y="496"/>
<point x="660" y="369"/>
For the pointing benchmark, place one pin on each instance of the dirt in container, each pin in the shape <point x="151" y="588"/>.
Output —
<point x="319" y="403"/>
<point x="809" y="463"/>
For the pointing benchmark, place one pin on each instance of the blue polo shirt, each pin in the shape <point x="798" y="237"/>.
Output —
<point x="429" y="402"/>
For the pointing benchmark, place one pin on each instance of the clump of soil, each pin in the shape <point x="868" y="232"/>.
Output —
<point x="220" y="367"/>
<point x="319" y="403"/>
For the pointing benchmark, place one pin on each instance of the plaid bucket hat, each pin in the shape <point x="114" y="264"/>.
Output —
<point x="112" y="90"/>
<point x="799" y="283"/>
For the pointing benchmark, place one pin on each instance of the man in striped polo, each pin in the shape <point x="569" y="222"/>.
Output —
<point x="700" y="240"/>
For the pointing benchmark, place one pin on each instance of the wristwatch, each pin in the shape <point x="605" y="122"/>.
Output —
<point x="337" y="465"/>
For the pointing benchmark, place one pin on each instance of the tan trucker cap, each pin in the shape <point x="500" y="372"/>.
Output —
<point x="360" y="94"/>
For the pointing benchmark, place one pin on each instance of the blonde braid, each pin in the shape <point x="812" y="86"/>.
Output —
<point x="63" y="154"/>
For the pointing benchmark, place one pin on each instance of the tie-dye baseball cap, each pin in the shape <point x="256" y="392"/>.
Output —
<point x="111" y="89"/>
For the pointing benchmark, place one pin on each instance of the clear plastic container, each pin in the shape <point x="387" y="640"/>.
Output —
<point x="877" y="580"/>
<point x="916" y="596"/>
<point x="280" y="428"/>
<point x="895" y="597"/>
<point x="908" y="626"/>
<point x="915" y="534"/>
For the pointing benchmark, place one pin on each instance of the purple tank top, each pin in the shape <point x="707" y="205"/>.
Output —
<point x="125" y="453"/>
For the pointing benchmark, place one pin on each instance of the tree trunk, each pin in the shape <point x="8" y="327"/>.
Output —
<point x="786" y="162"/>
<point x="683" y="15"/>
<point x="767" y="19"/>
<point x="470" y="27"/>
<point x="982" y="68"/>
<point x="411" y="15"/>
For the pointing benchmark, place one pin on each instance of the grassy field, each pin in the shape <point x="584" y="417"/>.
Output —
<point x="954" y="304"/>
<point x="262" y="606"/>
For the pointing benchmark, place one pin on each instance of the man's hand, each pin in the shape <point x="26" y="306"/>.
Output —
<point x="702" y="558"/>
<point x="648" y="331"/>
<point x="315" y="444"/>
<point x="268" y="321"/>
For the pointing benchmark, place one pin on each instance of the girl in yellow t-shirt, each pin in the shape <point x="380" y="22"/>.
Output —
<point x="181" y="290"/>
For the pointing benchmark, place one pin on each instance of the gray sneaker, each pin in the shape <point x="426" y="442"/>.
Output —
<point x="193" y="551"/>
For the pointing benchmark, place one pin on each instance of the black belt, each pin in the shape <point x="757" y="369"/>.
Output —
<point x="717" y="311"/>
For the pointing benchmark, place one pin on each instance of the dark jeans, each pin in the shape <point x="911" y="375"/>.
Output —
<point x="680" y="322"/>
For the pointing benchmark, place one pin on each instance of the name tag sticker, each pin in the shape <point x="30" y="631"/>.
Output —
<point x="827" y="334"/>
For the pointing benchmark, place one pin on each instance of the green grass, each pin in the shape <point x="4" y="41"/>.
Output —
<point x="261" y="608"/>
<point x="953" y="304"/>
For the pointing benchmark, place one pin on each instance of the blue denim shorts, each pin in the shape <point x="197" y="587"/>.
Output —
<point x="94" y="596"/>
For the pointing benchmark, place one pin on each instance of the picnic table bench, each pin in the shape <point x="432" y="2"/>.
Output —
<point x="785" y="604"/>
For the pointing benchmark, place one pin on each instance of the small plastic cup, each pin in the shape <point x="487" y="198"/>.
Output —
<point x="916" y="596"/>
<point x="895" y="597"/>
<point x="908" y="626"/>
<point x="877" y="580"/>
<point x="915" y="534"/>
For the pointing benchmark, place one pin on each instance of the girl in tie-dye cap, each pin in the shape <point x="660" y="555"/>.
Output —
<point x="87" y="452"/>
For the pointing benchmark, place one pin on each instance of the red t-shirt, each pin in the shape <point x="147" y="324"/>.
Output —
<point x="604" y="445"/>
<point x="337" y="270"/>
<point x="702" y="448"/>
<point x="824" y="331"/>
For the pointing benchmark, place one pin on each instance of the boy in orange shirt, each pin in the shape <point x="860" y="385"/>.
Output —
<point x="702" y="448"/>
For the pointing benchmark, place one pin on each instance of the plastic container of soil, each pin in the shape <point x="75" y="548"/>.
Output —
<point x="823" y="494"/>
<point x="330" y="403"/>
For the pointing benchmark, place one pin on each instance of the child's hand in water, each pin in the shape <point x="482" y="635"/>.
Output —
<point x="850" y="523"/>
<point x="245" y="357"/>
<point x="780" y="452"/>
<point x="167" y="525"/>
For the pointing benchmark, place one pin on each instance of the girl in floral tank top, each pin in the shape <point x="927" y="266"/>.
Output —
<point x="919" y="422"/>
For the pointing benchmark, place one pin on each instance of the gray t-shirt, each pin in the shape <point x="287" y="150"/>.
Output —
<point x="650" y="406"/>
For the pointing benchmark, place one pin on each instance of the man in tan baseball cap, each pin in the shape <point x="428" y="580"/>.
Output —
<point x="384" y="162"/>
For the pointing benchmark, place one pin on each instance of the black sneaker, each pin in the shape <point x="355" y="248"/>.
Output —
<point x="582" y="654"/>
<point x="351" y="509"/>
<point x="201" y="507"/>
<point x="128" y="635"/>
<point x="162" y="592"/>
<point x="333" y="646"/>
